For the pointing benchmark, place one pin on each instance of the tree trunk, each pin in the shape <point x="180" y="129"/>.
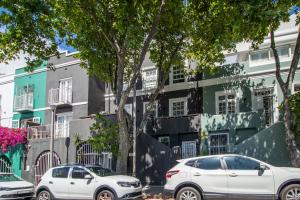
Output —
<point x="123" y="143"/>
<point x="294" y="152"/>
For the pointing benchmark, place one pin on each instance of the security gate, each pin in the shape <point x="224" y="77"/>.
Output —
<point x="5" y="165"/>
<point x="86" y="155"/>
<point x="42" y="164"/>
<point x="189" y="149"/>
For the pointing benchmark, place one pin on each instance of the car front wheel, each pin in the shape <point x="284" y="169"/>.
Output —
<point x="105" y="195"/>
<point x="44" y="195"/>
<point x="291" y="192"/>
<point x="188" y="193"/>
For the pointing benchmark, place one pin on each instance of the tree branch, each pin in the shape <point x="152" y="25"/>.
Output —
<point x="295" y="61"/>
<point x="161" y="85"/>
<point x="141" y="58"/>
<point x="277" y="64"/>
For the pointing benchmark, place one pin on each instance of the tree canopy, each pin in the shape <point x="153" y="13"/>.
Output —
<point x="114" y="36"/>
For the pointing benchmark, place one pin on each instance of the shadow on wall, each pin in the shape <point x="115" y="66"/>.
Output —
<point x="153" y="160"/>
<point x="268" y="145"/>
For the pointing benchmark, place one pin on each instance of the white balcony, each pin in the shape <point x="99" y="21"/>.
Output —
<point x="44" y="131"/>
<point x="60" y="96"/>
<point x="24" y="102"/>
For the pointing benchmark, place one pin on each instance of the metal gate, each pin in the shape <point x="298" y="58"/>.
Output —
<point x="189" y="149"/>
<point x="42" y="164"/>
<point x="86" y="155"/>
<point x="5" y="165"/>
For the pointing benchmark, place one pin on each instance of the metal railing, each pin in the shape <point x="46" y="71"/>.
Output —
<point x="24" y="102"/>
<point x="44" y="131"/>
<point x="59" y="96"/>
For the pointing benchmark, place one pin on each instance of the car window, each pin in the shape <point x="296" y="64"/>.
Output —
<point x="9" y="177"/>
<point x="190" y="163"/>
<point x="211" y="163"/>
<point x="241" y="163"/>
<point x="100" y="171"/>
<point x="61" y="172"/>
<point x="79" y="173"/>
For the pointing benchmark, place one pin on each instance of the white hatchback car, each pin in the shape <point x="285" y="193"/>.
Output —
<point x="86" y="182"/>
<point x="13" y="187"/>
<point x="231" y="177"/>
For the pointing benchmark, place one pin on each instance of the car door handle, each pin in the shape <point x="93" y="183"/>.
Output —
<point x="50" y="182"/>
<point x="72" y="183"/>
<point x="233" y="175"/>
<point x="197" y="174"/>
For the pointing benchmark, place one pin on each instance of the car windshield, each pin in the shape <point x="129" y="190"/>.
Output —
<point x="100" y="171"/>
<point x="9" y="177"/>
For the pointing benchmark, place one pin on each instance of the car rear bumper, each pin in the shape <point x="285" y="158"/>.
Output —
<point x="168" y="193"/>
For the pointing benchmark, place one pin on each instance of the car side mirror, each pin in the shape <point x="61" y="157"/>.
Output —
<point x="88" y="176"/>
<point x="263" y="167"/>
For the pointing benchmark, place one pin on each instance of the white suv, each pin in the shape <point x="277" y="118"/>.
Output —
<point x="231" y="177"/>
<point x="86" y="182"/>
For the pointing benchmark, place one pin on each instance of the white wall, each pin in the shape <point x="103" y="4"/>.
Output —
<point x="7" y="99"/>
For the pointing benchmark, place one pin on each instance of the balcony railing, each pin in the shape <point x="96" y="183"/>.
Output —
<point x="24" y="103"/>
<point x="60" y="96"/>
<point x="44" y="131"/>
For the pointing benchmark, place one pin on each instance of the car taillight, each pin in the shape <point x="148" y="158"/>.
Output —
<point x="169" y="174"/>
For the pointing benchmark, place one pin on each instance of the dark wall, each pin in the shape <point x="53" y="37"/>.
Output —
<point x="96" y="102"/>
<point x="153" y="160"/>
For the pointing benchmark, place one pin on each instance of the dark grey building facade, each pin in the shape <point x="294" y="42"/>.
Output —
<point x="72" y="96"/>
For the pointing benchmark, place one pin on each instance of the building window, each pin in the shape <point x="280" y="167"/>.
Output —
<point x="267" y="54"/>
<point x="296" y="88"/>
<point x="15" y="123"/>
<point x="164" y="140"/>
<point x="177" y="107"/>
<point x="153" y="112"/>
<point x="258" y="56"/>
<point x="149" y="78"/>
<point x="226" y="103"/>
<point x="65" y="90"/>
<point x="177" y="74"/>
<point x="218" y="143"/>
<point x="62" y="125"/>
<point x="263" y="100"/>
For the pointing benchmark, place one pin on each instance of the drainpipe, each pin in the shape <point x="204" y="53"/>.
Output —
<point x="134" y="131"/>
<point x="53" y="110"/>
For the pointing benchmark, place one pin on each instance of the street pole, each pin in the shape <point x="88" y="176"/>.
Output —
<point x="134" y="131"/>
<point x="53" y="109"/>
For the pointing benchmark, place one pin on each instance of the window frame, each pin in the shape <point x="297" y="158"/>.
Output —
<point x="61" y="168"/>
<point x="271" y="58"/>
<point x="226" y="94"/>
<point x="219" y="146"/>
<point x="244" y="157"/>
<point x="144" y="79"/>
<point x="176" y="100"/>
<point x="217" y="157"/>
<point x="71" y="172"/>
<point x="171" y="76"/>
<point x="295" y="84"/>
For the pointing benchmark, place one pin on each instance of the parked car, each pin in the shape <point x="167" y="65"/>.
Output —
<point x="231" y="177"/>
<point x="86" y="182"/>
<point x="13" y="187"/>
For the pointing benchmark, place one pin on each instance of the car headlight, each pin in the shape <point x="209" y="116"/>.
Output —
<point x="124" y="184"/>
